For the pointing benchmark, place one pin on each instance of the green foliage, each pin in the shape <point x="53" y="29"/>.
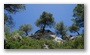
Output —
<point x="31" y="43"/>
<point x="79" y="15"/>
<point x="80" y="44"/>
<point x="45" y="20"/>
<point x="13" y="8"/>
<point x="17" y="31"/>
<point x="61" y="29"/>
<point x="8" y="21"/>
<point x="25" y="43"/>
<point x="26" y="28"/>
<point x="74" y="28"/>
<point x="6" y="29"/>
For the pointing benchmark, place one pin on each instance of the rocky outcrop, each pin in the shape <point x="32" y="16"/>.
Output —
<point x="58" y="39"/>
<point x="46" y="46"/>
<point x="46" y="31"/>
<point x="17" y="36"/>
<point x="46" y="34"/>
<point x="50" y="35"/>
<point x="73" y="37"/>
<point x="53" y="36"/>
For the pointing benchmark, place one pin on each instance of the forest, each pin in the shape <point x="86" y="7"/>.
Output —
<point x="43" y="38"/>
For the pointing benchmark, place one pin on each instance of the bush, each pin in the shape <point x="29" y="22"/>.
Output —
<point x="32" y="43"/>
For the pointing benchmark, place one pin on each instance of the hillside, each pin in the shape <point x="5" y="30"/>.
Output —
<point x="42" y="43"/>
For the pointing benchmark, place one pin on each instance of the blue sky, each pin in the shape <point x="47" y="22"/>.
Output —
<point x="61" y="12"/>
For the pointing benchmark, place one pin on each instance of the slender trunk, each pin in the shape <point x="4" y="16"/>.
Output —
<point x="62" y="37"/>
<point x="77" y="32"/>
<point x="44" y="28"/>
<point x="26" y="33"/>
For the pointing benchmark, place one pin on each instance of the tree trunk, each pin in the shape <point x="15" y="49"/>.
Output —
<point x="44" y="28"/>
<point x="26" y="33"/>
<point x="62" y="37"/>
<point x="77" y="32"/>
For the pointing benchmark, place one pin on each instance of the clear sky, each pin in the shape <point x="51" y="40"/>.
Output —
<point x="61" y="12"/>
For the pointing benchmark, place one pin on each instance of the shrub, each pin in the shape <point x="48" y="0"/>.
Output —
<point x="32" y="43"/>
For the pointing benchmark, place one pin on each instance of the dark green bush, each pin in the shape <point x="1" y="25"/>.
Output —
<point x="32" y="43"/>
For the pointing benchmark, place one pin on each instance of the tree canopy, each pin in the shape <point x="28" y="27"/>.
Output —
<point x="13" y="8"/>
<point x="74" y="28"/>
<point x="78" y="14"/>
<point x="61" y="29"/>
<point x="26" y="28"/>
<point x="8" y="20"/>
<point x="45" y="20"/>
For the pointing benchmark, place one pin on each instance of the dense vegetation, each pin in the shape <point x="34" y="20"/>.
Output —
<point x="31" y="43"/>
<point x="19" y="39"/>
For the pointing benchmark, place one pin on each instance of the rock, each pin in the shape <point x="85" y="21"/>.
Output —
<point x="46" y="46"/>
<point x="46" y="34"/>
<point x="53" y="36"/>
<point x="57" y="39"/>
<point x="17" y="36"/>
<point x="46" y="31"/>
<point x="68" y="36"/>
<point x="72" y="38"/>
